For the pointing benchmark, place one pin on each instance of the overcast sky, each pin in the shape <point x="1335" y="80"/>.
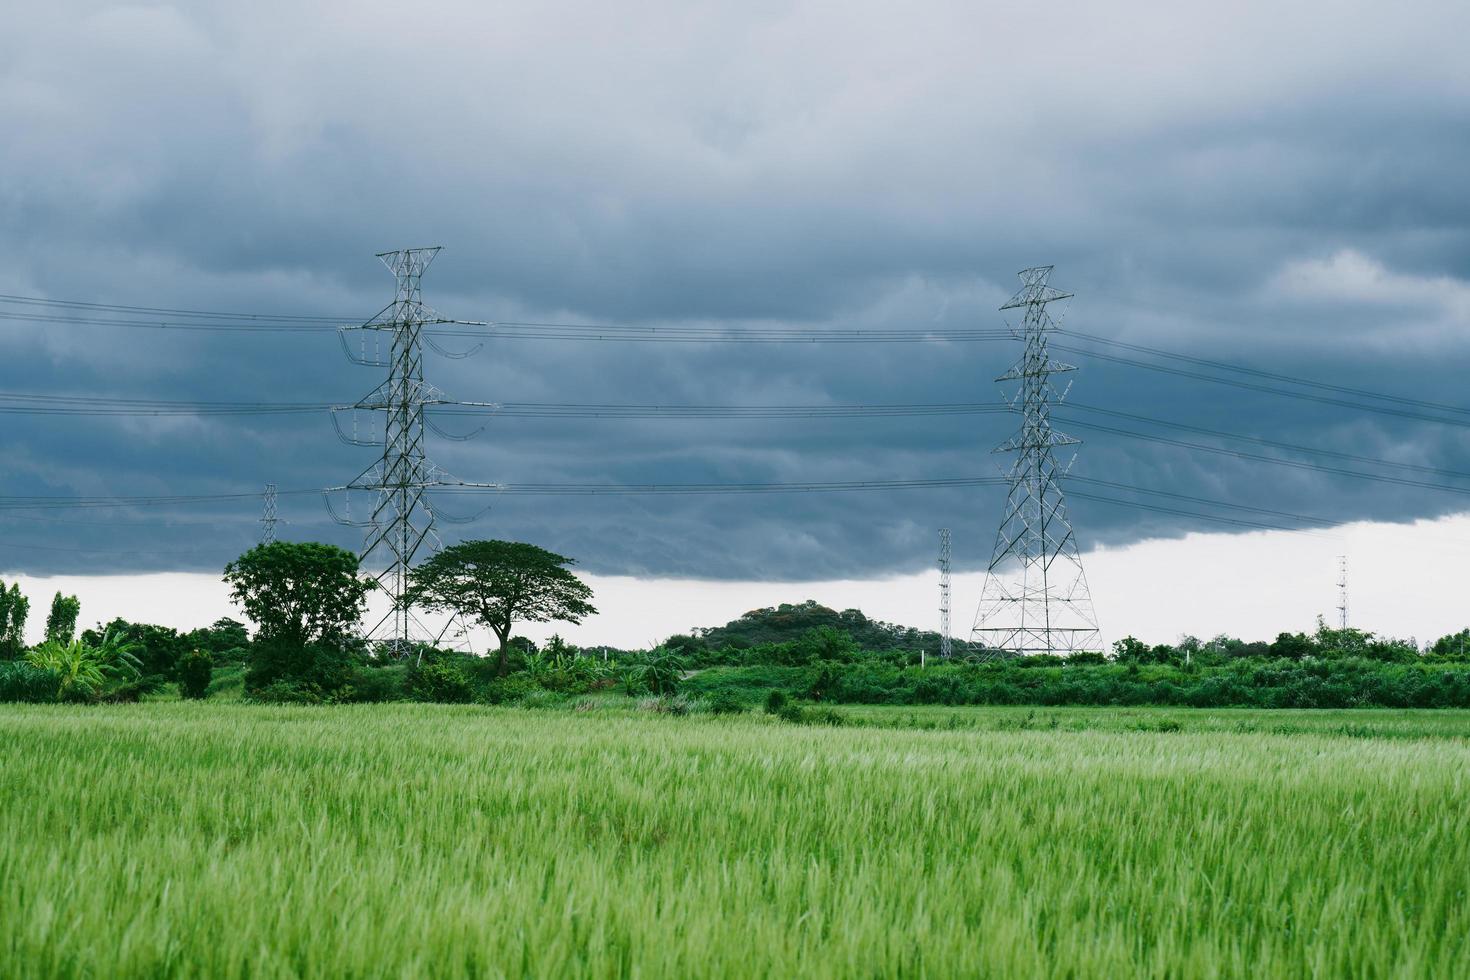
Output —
<point x="1275" y="185"/>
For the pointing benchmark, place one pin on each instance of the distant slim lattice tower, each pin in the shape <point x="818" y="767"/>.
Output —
<point x="268" y="516"/>
<point x="1342" y="603"/>
<point x="944" y="641"/>
<point x="1036" y="598"/>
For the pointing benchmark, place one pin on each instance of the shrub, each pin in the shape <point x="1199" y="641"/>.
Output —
<point x="324" y="667"/>
<point x="88" y="670"/>
<point x="811" y="715"/>
<point x="196" y="670"/>
<point x="539" y="697"/>
<point x="235" y="655"/>
<point x="504" y="690"/>
<point x="775" y="701"/>
<point x="823" y="715"/>
<point x="791" y="712"/>
<point x="1313" y="682"/>
<point x="658" y="672"/>
<point x="21" y="681"/>
<point x="441" y="681"/>
<point x="373" y="684"/>
<point x="727" y="703"/>
<point x="288" y="692"/>
<point x="75" y="664"/>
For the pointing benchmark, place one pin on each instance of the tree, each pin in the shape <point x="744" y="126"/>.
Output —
<point x="1130" y="648"/>
<point x="1291" y="646"/>
<point x="500" y="583"/>
<point x="13" y="610"/>
<point x="299" y="592"/>
<point x="1455" y="646"/>
<point x="226" y="640"/>
<point x="196" y="669"/>
<point x="61" y="623"/>
<point x="157" y="648"/>
<point x="305" y="598"/>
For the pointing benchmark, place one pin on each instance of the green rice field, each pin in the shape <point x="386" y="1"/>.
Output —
<point x="231" y="840"/>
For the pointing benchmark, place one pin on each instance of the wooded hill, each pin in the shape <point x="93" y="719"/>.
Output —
<point x="788" y="622"/>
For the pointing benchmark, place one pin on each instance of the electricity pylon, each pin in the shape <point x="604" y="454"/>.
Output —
<point x="268" y="516"/>
<point x="401" y="524"/>
<point x="1036" y="598"/>
<point x="944" y="641"/>
<point x="1342" y="602"/>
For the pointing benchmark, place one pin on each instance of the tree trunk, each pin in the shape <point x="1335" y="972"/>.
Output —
<point x="502" y="665"/>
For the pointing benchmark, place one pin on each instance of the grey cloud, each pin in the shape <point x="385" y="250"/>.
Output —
<point x="777" y="163"/>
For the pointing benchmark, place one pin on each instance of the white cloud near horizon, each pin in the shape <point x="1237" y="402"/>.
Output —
<point x="1405" y="580"/>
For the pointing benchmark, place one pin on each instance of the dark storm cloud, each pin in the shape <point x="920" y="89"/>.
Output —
<point x="1206" y="181"/>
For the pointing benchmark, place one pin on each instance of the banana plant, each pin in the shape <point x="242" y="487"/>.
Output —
<point x="85" y="669"/>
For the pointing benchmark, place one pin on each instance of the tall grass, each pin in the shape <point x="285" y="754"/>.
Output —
<point x="232" y="840"/>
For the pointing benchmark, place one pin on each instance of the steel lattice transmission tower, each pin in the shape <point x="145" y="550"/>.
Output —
<point x="401" y="524"/>
<point x="1342" y="598"/>
<point x="268" y="515"/>
<point x="1036" y="598"/>
<point x="944" y="641"/>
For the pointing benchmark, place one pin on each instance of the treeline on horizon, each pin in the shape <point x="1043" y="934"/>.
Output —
<point x="1329" y="668"/>
<point x="788" y="654"/>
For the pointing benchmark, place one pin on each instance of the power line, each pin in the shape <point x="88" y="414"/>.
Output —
<point x="1273" y="443"/>
<point x="1271" y="512"/>
<point x="44" y="404"/>
<point x="92" y="406"/>
<point x="221" y="326"/>
<point x="1272" y="375"/>
<point x="153" y="500"/>
<point x="152" y="310"/>
<point x="751" y="335"/>
<point x="191" y="553"/>
<point x="551" y="489"/>
<point x="160" y="522"/>
<point x="1250" y="386"/>
<point x="722" y="412"/>
<point x="39" y="310"/>
<point x="603" y="334"/>
<point x="1237" y="522"/>
<point x="158" y="317"/>
<point x="1274" y="460"/>
<point x="617" y="489"/>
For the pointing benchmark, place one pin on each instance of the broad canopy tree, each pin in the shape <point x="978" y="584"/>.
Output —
<point x="500" y="583"/>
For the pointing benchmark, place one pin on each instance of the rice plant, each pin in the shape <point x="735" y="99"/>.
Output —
<point x="232" y="840"/>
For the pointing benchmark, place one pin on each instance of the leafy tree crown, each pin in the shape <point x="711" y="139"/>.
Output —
<point x="299" y="592"/>
<point x="499" y="583"/>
